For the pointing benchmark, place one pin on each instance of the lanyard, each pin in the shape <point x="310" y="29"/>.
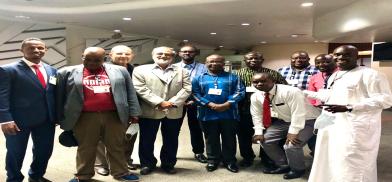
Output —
<point x="335" y="79"/>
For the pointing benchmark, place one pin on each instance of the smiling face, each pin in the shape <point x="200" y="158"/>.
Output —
<point x="325" y="63"/>
<point x="215" y="63"/>
<point x="187" y="54"/>
<point x="300" y="60"/>
<point x="263" y="82"/>
<point x="93" y="58"/>
<point x="121" y="55"/>
<point x="346" y="57"/>
<point x="163" y="56"/>
<point x="253" y="60"/>
<point x="33" y="50"/>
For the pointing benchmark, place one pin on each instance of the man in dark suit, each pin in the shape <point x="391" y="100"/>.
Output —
<point x="97" y="101"/>
<point x="27" y="108"/>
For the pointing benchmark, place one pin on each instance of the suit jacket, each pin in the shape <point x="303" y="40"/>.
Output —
<point x="22" y="97"/>
<point x="152" y="90"/>
<point x="70" y="94"/>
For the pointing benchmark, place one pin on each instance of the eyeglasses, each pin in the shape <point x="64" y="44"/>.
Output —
<point x="187" y="51"/>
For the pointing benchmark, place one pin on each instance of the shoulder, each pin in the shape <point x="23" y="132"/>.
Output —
<point x="284" y="68"/>
<point x="12" y="65"/>
<point x="287" y="89"/>
<point x="69" y="69"/>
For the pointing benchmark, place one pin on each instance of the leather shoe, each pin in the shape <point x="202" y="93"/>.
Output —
<point x="232" y="167"/>
<point x="146" y="170"/>
<point x="292" y="174"/>
<point x="42" y="179"/>
<point x="211" y="167"/>
<point x="102" y="171"/>
<point x="278" y="170"/>
<point x="246" y="163"/>
<point x="201" y="158"/>
<point x="169" y="169"/>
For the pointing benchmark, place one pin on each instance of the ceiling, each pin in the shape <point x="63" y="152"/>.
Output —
<point x="272" y="21"/>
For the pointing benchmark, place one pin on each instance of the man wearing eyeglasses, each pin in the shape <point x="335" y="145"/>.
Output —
<point x="188" y="53"/>
<point x="162" y="88"/>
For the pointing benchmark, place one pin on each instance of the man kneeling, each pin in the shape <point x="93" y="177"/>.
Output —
<point x="280" y="112"/>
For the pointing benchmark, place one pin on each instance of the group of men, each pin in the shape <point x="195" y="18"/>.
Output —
<point x="96" y="102"/>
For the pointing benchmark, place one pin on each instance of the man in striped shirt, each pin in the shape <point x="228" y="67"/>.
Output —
<point x="253" y="61"/>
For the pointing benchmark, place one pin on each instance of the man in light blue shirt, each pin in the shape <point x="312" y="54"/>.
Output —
<point x="188" y="53"/>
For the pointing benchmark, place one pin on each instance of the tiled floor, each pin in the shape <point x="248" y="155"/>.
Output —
<point x="62" y="163"/>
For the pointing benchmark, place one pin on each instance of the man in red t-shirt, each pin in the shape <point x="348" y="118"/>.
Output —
<point x="97" y="101"/>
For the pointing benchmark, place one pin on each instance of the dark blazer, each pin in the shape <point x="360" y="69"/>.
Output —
<point x="22" y="97"/>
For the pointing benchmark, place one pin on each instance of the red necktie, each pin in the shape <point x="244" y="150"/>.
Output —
<point x="39" y="75"/>
<point x="266" y="111"/>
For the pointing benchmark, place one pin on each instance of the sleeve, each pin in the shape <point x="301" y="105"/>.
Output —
<point x="61" y="93"/>
<point x="239" y="90"/>
<point x="312" y="88"/>
<point x="197" y="91"/>
<point x="296" y="102"/>
<point x="256" y="110"/>
<point x="139" y="83"/>
<point x="133" y="103"/>
<point x="378" y="93"/>
<point x="5" y="86"/>
<point x="183" y="94"/>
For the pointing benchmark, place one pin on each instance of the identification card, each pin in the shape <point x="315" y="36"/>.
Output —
<point x="101" y="89"/>
<point x="215" y="91"/>
<point x="52" y="80"/>
<point x="251" y="89"/>
<point x="292" y="82"/>
<point x="274" y="114"/>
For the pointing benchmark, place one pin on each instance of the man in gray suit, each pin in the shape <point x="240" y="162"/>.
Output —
<point x="97" y="101"/>
<point x="163" y="89"/>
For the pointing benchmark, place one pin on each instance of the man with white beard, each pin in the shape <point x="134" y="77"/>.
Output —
<point x="162" y="88"/>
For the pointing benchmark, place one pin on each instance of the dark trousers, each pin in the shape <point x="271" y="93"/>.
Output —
<point x="245" y="135"/>
<point x="42" y="137"/>
<point x="197" y="140"/>
<point x="170" y="129"/>
<point x="214" y="131"/>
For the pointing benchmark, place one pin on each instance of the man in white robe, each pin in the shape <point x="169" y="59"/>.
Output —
<point x="347" y="148"/>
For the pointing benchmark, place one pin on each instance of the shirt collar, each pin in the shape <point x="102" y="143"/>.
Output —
<point x="191" y="65"/>
<point x="156" y="66"/>
<point x="273" y="90"/>
<point x="29" y="63"/>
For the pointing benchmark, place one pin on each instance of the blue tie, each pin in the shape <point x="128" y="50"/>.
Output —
<point x="188" y="67"/>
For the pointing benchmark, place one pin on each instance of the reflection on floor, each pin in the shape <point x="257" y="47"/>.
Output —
<point x="62" y="163"/>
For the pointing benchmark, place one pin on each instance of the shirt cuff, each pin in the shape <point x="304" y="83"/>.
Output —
<point x="7" y="122"/>
<point x="293" y="130"/>
<point x="258" y="131"/>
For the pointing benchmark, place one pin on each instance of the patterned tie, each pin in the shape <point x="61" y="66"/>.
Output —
<point x="39" y="75"/>
<point x="266" y="111"/>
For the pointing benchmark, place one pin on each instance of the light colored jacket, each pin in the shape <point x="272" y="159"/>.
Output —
<point x="69" y="94"/>
<point x="152" y="90"/>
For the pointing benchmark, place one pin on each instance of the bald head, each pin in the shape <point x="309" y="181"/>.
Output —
<point x="215" y="63"/>
<point x="93" y="58"/>
<point x="263" y="81"/>
<point x="300" y="60"/>
<point x="346" y="57"/>
<point x="325" y="63"/>
<point x="121" y="55"/>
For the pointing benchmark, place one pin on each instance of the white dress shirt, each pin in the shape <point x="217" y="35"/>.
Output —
<point x="40" y="67"/>
<point x="288" y="103"/>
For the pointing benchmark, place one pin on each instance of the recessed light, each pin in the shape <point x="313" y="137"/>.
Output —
<point x="127" y="19"/>
<point x="294" y="35"/>
<point x="117" y="31"/>
<point x="22" y="17"/>
<point x="221" y="46"/>
<point x="263" y="42"/>
<point x="213" y="33"/>
<point x="185" y="40"/>
<point x="307" y="4"/>
<point x="316" y="41"/>
<point x="245" y="24"/>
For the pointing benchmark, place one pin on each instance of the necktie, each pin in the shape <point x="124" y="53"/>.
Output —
<point x="188" y="67"/>
<point x="266" y="111"/>
<point x="39" y="75"/>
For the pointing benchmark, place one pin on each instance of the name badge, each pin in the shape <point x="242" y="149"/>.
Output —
<point x="274" y="114"/>
<point x="215" y="91"/>
<point x="101" y="89"/>
<point x="292" y="82"/>
<point x="52" y="80"/>
<point x="251" y="89"/>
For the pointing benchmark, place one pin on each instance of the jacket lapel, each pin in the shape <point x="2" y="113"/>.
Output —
<point x="111" y="75"/>
<point x="26" y="69"/>
<point x="78" y="79"/>
<point x="156" y="73"/>
<point x="173" y="75"/>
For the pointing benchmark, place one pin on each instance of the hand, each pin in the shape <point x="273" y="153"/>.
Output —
<point x="293" y="139"/>
<point x="10" y="128"/>
<point x="258" y="139"/>
<point x="133" y="119"/>
<point x="223" y="107"/>
<point x="334" y="108"/>
<point x="212" y="105"/>
<point x="189" y="103"/>
<point x="166" y="105"/>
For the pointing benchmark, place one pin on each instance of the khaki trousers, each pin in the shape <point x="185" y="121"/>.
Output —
<point x="89" y="130"/>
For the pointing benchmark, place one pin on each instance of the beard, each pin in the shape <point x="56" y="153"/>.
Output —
<point x="162" y="62"/>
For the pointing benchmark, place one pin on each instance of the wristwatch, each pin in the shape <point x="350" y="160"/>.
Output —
<point x="349" y="108"/>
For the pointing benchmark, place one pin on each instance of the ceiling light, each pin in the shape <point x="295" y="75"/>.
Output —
<point x="117" y="31"/>
<point x="213" y="33"/>
<point x="22" y="17"/>
<point x="221" y="46"/>
<point x="307" y="4"/>
<point x="185" y="40"/>
<point x="245" y="24"/>
<point x="127" y="19"/>
<point x="263" y="42"/>
<point x="316" y="41"/>
<point x="354" y="24"/>
<point x="294" y="35"/>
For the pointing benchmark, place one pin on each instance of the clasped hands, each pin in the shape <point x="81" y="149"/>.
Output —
<point x="219" y="107"/>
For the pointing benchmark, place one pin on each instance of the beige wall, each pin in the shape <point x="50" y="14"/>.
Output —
<point x="384" y="67"/>
<point x="278" y="55"/>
